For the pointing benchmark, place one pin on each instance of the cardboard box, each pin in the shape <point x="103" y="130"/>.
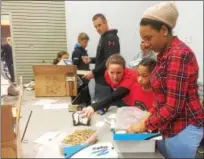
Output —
<point x="55" y="80"/>
<point x="10" y="116"/>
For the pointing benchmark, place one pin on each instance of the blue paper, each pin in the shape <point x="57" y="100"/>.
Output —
<point x="71" y="150"/>
<point x="139" y="136"/>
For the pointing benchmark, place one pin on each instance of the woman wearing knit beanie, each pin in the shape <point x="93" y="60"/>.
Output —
<point x="178" y="114"/>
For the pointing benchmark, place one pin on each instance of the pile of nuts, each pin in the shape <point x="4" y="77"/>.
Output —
<point x="78" y="137"/>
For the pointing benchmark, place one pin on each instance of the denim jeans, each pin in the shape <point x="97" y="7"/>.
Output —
<point x="183" y="145"/>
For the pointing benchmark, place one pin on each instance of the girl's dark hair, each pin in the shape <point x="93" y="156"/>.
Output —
<point x="155" y="24"/>
<point x="59" y="56"/>
<point x="148" y="62"/>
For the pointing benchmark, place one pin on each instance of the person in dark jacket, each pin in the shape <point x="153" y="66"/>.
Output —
<point x="7" y="55"/>
<point x="81" y="60"/>
<point x="108" y="45"/>
<point x="80" y="55"/>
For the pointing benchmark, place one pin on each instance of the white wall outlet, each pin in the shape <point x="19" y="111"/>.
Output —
<point x="188" y="39"/>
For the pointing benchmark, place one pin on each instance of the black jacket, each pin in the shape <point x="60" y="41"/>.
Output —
<point x="77" y="57"/>
<point x="115" y="96"/>
<point x="6" y="54"/>
<point x="108" y="45"/>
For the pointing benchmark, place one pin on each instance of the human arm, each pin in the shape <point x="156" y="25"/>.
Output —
<point x="115" y="95"/>
<point x="176" y="86"/>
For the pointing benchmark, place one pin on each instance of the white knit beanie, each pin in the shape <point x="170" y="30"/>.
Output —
<point x="165" y="12"/>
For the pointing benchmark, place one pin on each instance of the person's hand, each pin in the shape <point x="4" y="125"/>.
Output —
<point x="139" y="127"/>
<point x="85" y="59"/>
<point x="89" y="75"/>
<point x="87" y="112"/>
<point x="145" y="47"/>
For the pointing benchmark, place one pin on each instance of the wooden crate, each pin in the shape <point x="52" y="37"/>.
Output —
<point x="8" y="136"/>
<point x="10" y="121"/>
<point x="55" y="80"/>
<point x="8" y="152"/>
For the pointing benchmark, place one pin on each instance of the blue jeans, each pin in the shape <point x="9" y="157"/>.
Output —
<point x="183" y="145"/>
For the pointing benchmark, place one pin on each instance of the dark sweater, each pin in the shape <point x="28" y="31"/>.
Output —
<point x="77" y="57"/>
<point x="6" y="54"/>
<point x="116" y="95"/>
<point x="108" y="45"/>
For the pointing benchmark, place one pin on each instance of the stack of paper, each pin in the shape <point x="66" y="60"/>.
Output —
<point x="55" y="106"/>
<point x="45" y="101"/>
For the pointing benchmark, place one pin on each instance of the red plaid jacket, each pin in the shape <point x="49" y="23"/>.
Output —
<point x="174" y="81"/>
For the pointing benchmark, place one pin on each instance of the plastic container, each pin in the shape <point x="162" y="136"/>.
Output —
<point x="92" y="139"/>
<point x="135" y="146"/>
<point x="126" y="116"/>
<point x="132" y="143"/>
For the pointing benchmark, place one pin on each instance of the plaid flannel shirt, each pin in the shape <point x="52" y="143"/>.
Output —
<point x="174" y="81"/>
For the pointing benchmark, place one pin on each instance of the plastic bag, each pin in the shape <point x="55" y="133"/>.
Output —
<point x="13" y="90"/>
<point x="126" y="116"/>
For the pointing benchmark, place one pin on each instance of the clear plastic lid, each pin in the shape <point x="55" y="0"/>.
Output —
<point x="126" y="116"/>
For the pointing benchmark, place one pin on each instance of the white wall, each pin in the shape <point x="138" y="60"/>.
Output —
<point x="125" y="16"/>
<point x="190" y="28"/>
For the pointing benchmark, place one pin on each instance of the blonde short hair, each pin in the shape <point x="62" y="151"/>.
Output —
<point x="83" y="36"/>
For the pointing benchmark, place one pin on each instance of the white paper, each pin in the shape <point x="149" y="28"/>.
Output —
<point x="99" y="124"/>
<point x="82" y="72"/>
<point x="46" y="137"/>
<point x="4" y="90"/>
<point x="4" y="86"/>
<point x="45" y="101"/>
<point x="51" y="149"/>
<point x="55" y="106"/>
<point x="4" y="81"/>
<point x="157" y="138"/>
<point x="112" y="116"/>
<point x="49" y="152"/>
<point x="91" y="151"/>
